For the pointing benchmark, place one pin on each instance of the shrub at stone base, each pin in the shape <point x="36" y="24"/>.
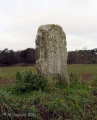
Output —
<point x="27" y="81"/>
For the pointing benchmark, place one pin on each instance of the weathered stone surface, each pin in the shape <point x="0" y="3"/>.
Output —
<point x="51" y="52"/>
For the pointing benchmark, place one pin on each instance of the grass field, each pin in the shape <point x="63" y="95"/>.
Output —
<point x="75" y="69"/>
<point x="11" y="71"/>
<point x="8" y="74"/>
<point x="83" y="68"/>
<point x="85" y="72"/>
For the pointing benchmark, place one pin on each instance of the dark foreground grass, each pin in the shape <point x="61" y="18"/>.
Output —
<point x="75" y="102"/>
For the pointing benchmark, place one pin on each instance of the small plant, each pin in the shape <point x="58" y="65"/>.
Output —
<point x="74" y="78"/>
<point x="28" y="81"/>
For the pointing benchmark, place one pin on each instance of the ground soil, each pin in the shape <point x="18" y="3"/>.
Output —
<point x="86" y="77"/>
<point x="7" y="82"/>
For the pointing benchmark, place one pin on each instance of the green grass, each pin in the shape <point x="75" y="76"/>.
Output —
<point x="75" y="69"/>
<point x="82" y="68"/>
<point x="85" y="72"/>
<point x="10" y="72"/>
<point x="58" y="101"/>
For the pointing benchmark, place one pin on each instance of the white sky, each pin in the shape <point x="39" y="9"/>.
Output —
<point x="20" y="19"/>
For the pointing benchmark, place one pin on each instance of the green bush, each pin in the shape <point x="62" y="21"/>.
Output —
<point x="27" y="81"/>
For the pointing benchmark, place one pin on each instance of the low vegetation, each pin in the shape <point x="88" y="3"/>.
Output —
<point x="27" y="81"/>
<point x="34" y="97"/>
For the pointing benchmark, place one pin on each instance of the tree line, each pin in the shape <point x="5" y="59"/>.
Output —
<point x="82" y="57"/>
<point x="27" y="56"/>
<point x="10" y="57"/>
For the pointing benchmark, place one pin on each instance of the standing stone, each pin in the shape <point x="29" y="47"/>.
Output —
<point x="51" y="52"/>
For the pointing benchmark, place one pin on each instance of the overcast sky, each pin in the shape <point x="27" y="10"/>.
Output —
<point x="20" y="19"/>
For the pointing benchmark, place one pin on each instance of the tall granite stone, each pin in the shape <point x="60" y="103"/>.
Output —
<point x="51" y="52"/>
